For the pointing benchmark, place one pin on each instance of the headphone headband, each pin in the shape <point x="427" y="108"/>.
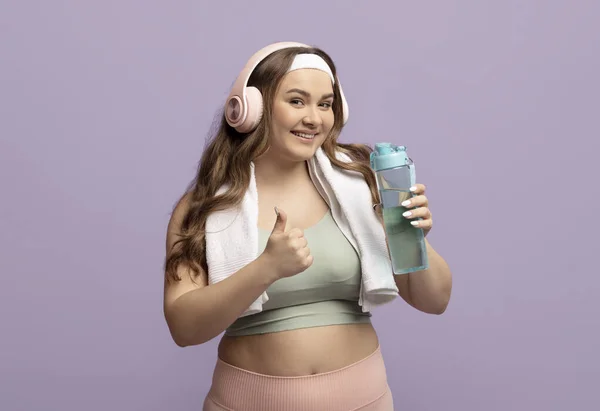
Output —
<point x="243" y="109"/>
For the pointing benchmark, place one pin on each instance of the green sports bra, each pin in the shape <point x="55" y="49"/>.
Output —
<point x="326" y="293"/>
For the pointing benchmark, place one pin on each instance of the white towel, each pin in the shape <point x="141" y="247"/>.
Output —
<point x="232" y="235"/>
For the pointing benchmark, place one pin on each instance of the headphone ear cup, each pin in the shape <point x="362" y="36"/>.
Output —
<point x="254" y="105"/>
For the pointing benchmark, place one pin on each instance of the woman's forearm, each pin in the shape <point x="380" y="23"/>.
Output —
<point x="429" y="290"/>
<point x="202" y="314"/>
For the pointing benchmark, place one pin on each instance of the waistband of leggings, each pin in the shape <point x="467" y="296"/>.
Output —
<point x="350" y="387"/>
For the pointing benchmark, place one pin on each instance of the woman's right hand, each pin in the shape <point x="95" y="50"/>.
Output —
<point x="287" y="250"/>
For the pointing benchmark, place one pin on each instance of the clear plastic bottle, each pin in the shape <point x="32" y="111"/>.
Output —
<point x="395" y="174"/>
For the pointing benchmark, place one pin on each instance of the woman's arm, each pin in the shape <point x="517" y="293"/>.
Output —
<point x="427" y="290"/>
<point x="197" y="312"/>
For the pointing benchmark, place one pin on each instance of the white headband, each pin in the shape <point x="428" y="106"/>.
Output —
<point x="311" y="61"/>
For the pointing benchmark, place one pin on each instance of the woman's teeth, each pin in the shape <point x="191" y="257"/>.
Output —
<point x="303" y="135"/>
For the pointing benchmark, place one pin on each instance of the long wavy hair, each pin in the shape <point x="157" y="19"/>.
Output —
<point x="227" y="156"/>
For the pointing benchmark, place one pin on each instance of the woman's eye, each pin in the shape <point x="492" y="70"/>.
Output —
<point x="326" y="105"/>
<point x="296" y="102"/>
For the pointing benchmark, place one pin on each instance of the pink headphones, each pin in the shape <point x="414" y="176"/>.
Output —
<point x="244" y="106"/>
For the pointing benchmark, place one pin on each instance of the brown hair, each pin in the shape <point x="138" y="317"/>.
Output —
<point x="226" y="160"/>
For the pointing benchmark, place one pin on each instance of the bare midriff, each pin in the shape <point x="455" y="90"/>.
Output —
<point x="300" y="352"/>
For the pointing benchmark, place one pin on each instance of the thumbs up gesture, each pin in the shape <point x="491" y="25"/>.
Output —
<point x="287" y="250"/>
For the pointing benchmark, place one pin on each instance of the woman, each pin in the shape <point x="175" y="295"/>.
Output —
<point x="311" y="346"/>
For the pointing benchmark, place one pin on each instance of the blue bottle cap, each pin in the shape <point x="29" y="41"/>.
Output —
<point x="387" y="155"/>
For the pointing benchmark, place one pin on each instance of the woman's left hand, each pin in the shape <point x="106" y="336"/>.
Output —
<point x="419" y="208"/>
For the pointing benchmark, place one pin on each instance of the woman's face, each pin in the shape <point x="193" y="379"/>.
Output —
<point x="302" y="114"/>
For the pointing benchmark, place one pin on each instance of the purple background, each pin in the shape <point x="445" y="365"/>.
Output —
<point x="104" y="110"/>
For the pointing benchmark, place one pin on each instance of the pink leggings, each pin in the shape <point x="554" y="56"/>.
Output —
<point x="360" y="386"/>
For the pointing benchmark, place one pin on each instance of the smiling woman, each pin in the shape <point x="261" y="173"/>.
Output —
<point x="324" y="102"/>
<point x="302" y="109"/>
<point x="296" y="308"/>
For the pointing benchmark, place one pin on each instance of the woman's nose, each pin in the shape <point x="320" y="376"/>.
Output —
<point x="313" y="116"/>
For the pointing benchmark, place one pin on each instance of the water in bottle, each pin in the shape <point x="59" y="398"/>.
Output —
<point x="395" y="174"/>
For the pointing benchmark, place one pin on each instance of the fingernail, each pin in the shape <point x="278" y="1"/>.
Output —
<point x="415" y="223"/>
<point x="413" y="188"/>
<point x="407" y="214"/>
<point x="277" y="211"/>
<point x="406" y="203"/>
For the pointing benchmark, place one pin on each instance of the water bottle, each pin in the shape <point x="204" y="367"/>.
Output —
<point x="395" y="174"/>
